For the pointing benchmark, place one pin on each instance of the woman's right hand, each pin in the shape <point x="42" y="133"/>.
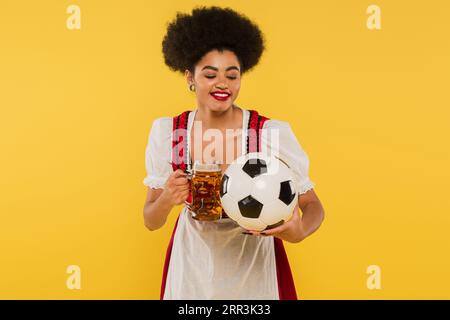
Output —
<point x="176" y="189"/>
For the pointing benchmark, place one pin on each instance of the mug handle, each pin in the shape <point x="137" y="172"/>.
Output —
<point x="187" y="203"/>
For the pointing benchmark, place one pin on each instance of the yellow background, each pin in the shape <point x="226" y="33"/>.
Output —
<point x="370" y="107"/>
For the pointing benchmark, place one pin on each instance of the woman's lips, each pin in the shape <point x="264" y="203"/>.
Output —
<point x="224" y="98"/>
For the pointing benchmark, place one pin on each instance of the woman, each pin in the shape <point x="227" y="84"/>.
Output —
<point x="214" y="47"/>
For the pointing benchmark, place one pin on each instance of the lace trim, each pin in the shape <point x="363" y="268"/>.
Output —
<point x="155" y="182"/>
<point x="306" y="187"/>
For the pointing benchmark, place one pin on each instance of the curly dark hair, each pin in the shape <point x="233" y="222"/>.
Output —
<point x="190" y="37"/>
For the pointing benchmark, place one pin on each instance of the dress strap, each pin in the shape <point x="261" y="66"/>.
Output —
<point x="179" y="141"/>
<point x="254" y="131"/>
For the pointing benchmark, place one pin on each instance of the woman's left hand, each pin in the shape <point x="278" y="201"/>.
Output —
<point x="291" y="231"/>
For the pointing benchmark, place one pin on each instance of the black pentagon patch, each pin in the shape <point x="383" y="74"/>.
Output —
<point x="250" y="207"/>
<point x="279" y="223"/>
<point x="255" y="167"/>
<point x="286" y="192"/>
<point x="224" y="185"/>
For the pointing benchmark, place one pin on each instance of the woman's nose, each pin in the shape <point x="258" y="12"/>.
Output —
<point x="221" y="85"/>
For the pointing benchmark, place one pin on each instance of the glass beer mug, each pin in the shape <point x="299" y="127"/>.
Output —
<point x="205" y="190"/>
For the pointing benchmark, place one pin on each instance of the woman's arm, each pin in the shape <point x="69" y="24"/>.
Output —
<point x="160" y="202"/>
<point x="313" y="212"/>
<point x="156" y="209"/>
<point x="297" y="229"/>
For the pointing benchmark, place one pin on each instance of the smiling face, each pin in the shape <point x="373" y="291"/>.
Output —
<point x="216" y="72"/>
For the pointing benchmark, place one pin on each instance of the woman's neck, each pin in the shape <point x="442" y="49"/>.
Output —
<point x="223" y="120"/>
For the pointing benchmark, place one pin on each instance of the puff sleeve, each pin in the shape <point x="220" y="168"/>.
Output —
<point x="278" y="139"/>
<point x="158" y="153"/>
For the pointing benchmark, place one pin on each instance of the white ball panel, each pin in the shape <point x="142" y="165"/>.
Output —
<point x="251" y="224"/>
<point x="274" y="212"/>
<point x="239" y="184"/>
<point x="280" y="169"/>
<point x="230" y="205"/>
<point x="266" y="188"/>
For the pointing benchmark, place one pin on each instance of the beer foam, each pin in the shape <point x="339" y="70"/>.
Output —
<point x="206" y="167"/>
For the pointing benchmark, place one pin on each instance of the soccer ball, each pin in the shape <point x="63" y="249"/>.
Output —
<point x="258" y="191"/>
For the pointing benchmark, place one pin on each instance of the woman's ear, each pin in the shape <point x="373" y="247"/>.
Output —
<point x="189" y="77"/>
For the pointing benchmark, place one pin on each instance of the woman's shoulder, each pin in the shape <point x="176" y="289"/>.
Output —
<point x="161" y="121"/>
<point x="160" y="129"/>
<point x="276" y="123"/>
<point x="281" y="129"/>
<point x="162" y="124"/>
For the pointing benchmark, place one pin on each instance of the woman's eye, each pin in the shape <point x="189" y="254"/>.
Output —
<point x="210" y="77"/>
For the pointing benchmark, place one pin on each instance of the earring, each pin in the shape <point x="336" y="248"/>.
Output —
<point x="192" y="87"/>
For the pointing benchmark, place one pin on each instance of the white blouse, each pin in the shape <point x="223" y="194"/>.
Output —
<point x="214" y="260"/>
<point x="159" y="150"/>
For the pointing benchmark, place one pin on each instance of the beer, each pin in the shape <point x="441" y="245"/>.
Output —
<point x="205" y="191"/>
